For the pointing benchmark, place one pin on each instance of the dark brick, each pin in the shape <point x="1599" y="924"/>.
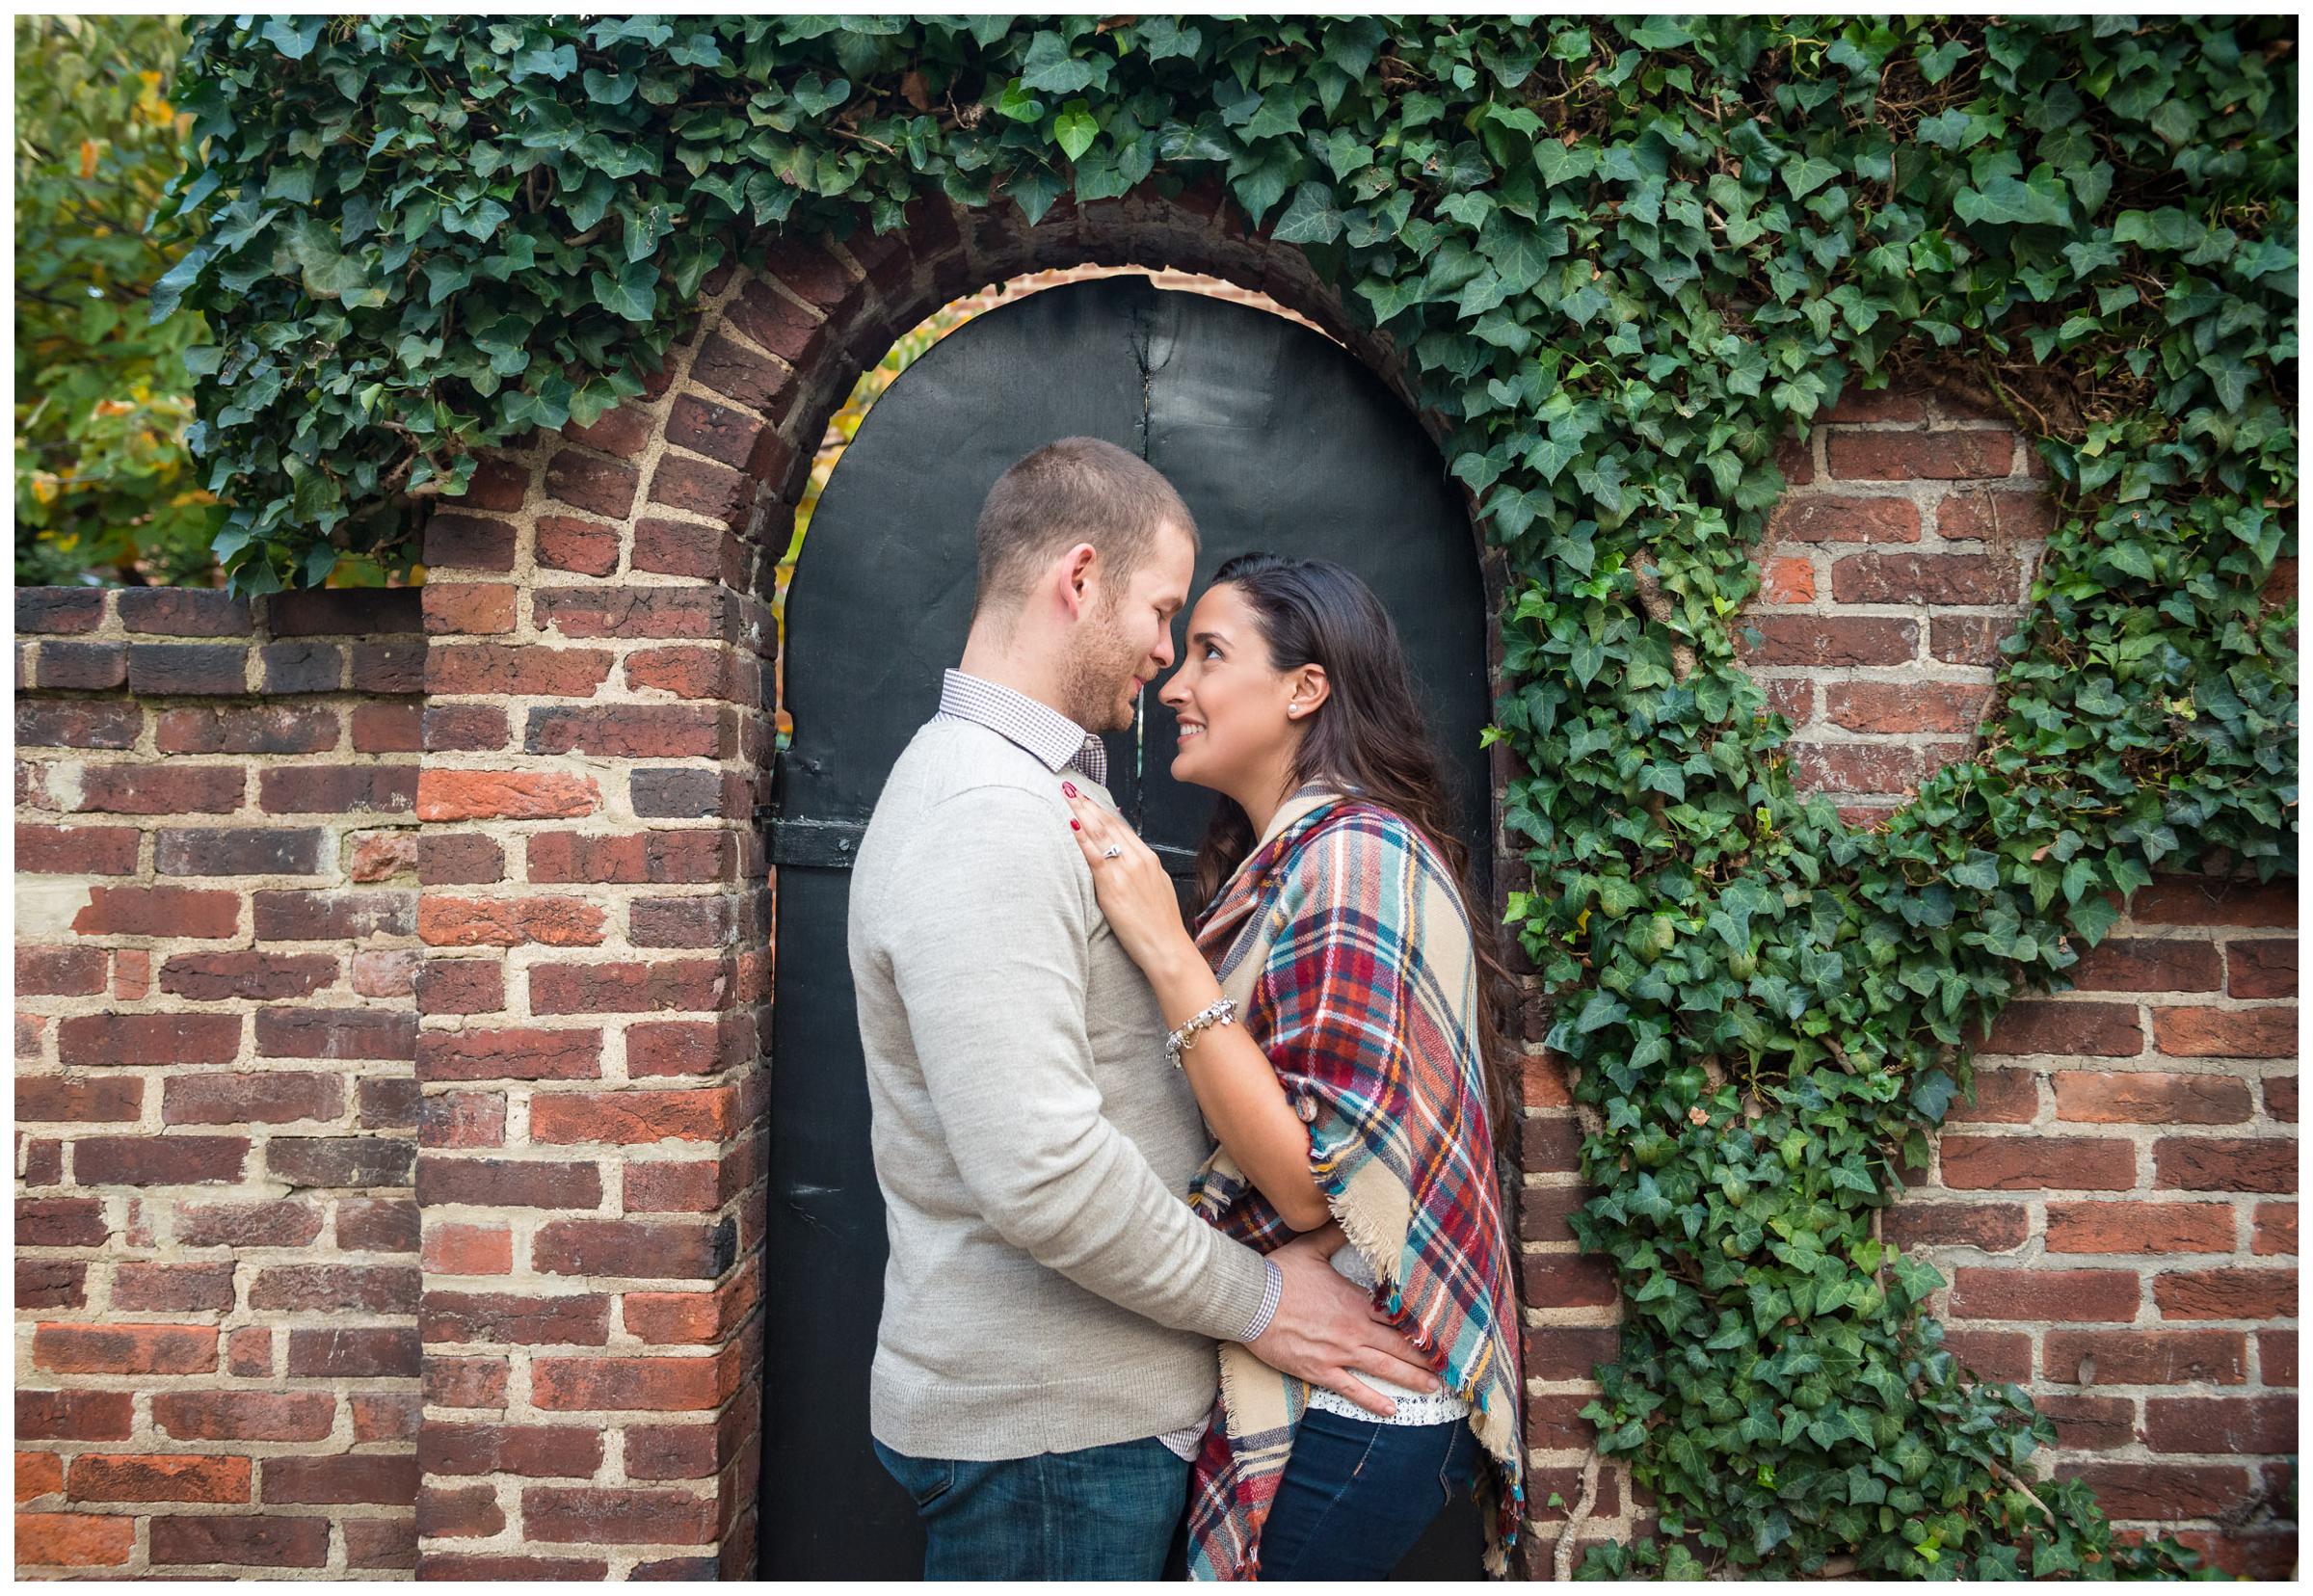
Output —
<point x="262" y="1540"/>
<point x="354" y="1353"/>
<point x="341" y="1162"/>
<point x="344" y="612"/>
<point x="59" y="609"/>
<point x="184" y="612"/>
<point x="302" y="667"/>
<point x="676" y="793"/>
<point x="398" y="667"/>
<point x="83" y="667"/>
<point x="158" y="1161"/>
<point x="240" y="850"/>
<point x="469" y="543"/>
<point x="74" y="723"/>
<point x="602" y="487"/>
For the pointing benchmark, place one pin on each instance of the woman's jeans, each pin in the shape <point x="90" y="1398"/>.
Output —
<point x="1356" y="1495"/>
<point x="1102" y="1513"/>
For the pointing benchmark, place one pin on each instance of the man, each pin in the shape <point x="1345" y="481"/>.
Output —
<point x="1045" y="1363"/>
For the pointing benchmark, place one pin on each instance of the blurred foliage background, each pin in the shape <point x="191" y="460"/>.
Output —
<point x="106" y="490"/>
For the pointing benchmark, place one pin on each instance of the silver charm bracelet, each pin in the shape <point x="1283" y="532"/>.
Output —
<point x="1221" y="1012"/>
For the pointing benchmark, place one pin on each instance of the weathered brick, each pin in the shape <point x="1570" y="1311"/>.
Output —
<point x="512" y="1053"/>
<point x="50" y="1283"/>
<point x="680" y="549"/>
<point x="2272" y="1228"/>
<point x="1906" y="706"/>
<point x="2225" y="1293"/>
<point x="370" y="1288"/>
<point x="464" y="728"/>
<point x="387" y="727"/>
<point x="387" y="1103"/>
<point x="744" y="377"/>
<point x="686" y="673"/>
<point x="354" y="1353"/>
<point x="2038" y="1163"/>
<point x="2165" y="1492"/>
<point x="240" y="850"/>
<point x="99" y="1100"/>
<point x="452" y="1249"/>
<point x="515" y="669"/>
<point x="141" y="1287"/>
<point x="2147" y="963"/>
<point x="2231" y="1426"/>
<point x="245" y="1415"/>
<point x="61" y="1222"/>
<point x="340" y="1162"/>
<point x="1913" y="456"/>
<point x="2139" y="1227"/>
<point x="124" y="1349"/>
<point x="2226" y="1033"/>
<point x="258" y="1224"/>
<point x="386" y="1542"/>
<point x="617" y="1385"/>
<point x="640" y="1249"/>
<point x="76" y="850"/>
<point x="261" y="1540"/>
<point x="59" y="609"/>
<point x="60" y="971"/>
<point x="451" y="858"/>
<point x="1832" y="640"/>
<point x="1825" y="518"/>
<point x="461" y="1382"/>
<point x="463" y="1512"/>
<point x="336" y="1033"/>
<point x="657" y="858"/>
<point x="472" y="608"/>
<point x="332" y="914"/>
<point x="1981" y="513"/>
<point x="602" y="487"/>
<point x="267" y="1096"/>
<point x="158" y="1161"/>
<point x="2150" y="1098"/>
<point x="503" y="795"/>
<point x="158" y="911"/>
<point x="631" y="1117"/>
<point x="71" y="723"/>
<point x="2106" y="1030"/>
<point x="246" y="728"/>
<point x="389" y="667"/>
<point x="2224" y="1163"/>
<point x="445" y="922"/>
<point x="339" y="789"/>
<point x="607" y="1515"/>
<point x="515" y="1319"/>
<point x="146" y="790"/>
<point x="184" y="612"/>
<point x="712" y="430"/>
<point x="461" y="986"/>
<point x="676" y="793"/>
<point x="73" y="1415"/>
<point x="507" y="1183"/>
<point x="2038" y="1292"/>
<point x="462" y="1119"/>
<point x="1882" y="578"/>
<point x="703" y="488"/>
<point x="625" y="612"/>
<point x="99" y="1476"/>
<point x="1994" y="1227"/>
<point x="211" y="977"/>
<point x="347" y="1477"/>
<point x="74" y="1540"/>
<point x="83" y="667"/>
<point x="456" y="541"/>
<point x="566" y="544"/>
<point x="300" y="668"/>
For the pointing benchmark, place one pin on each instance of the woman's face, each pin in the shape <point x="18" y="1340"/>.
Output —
<point x="1235" y="727"/>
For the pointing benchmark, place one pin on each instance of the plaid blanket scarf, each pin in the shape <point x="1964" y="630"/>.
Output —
<point x="1342" y="939"/>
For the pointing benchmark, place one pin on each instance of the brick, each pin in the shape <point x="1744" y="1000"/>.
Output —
<point x="797" y="336"/>
<point x="712" y="430"/>
<point x="381" y="1543"/>
<point x="145" y="789"/>
<point x="258" y="1540"/>
<point x="158" y="1161"/>
<point x="618" y="1385"/>
<point x="2206" y="900"/>
<point x="461" y="986"/>
<point x="140" y="1286"/>
<point x="339" y="1161"/>
<point x="626" y="612"/>
<point x="39" y="1475"/>
<point x="456" y="541"/>
<point x="2273" y="1230"/>
<point x="124" y="1349"/>
<point x="212" y="977"/>
<point x="634" y="1117"/>
<point x="354" y="1353"/>
<point x="1888" y="707"/>
<point x="2068" y="1296"/>
<point x="462" y="1119"/>
<point x="660" y="858"/>
<point x="1832" y="640"/>
<point x="2225" y="1293"/>
<point x="300" y="667"/>
<point x="2163" y="1491"/>
<point x="75" y="724"/>
<point x="675" y="794"/>
<point x="2090" y="1424"/>
<point x="2038" y="1163"/>
<point x="1566" y="1279"/>
<point x="449" y="859"/>
<point x="333" y="914"/>
<point x="467" y="1250"/>
<point x="389" y="667"/>
<point x="681" y="923"/>
<point x="512" y="1053"/>
<point x="1979" y="513"/>
<point x="503" y="795"/>
<point x="2258" y="968"/>
<point x="1969" y="639"/>
<point x="348" y="1477"/>
<point x="245" y="1415"/>
<point x="342" y="612"/>
<point x="387" y="1103"/>
<point x="59" y="609"/>
<point x="50" y="1283"/>
<point x="1834" y="519"/>
<point x="2150" y="1098"/>
<point x="74" y="1540"/>
<point x="603" y="1515"/>
<point x="382" y="855"/>
<point x="2276" y="1360"/>
<point x="1880" y="578"/>
<point x="60" y="971"/>
<point x="627" y="988"/>
<point x="99" y="1476"/>
<point x="602" y="487"/>
<point x="515" y="669"/>
<point x="463" y="1513"/>
<point x="624" y="430"/>
<point x="685" y="673"/>
<point x="681" y="548"/>
<point x="2228" y="1425"/>
<point x="61" y="1222"/>
<point x="693" y="1318"/>
<point x="506" y="1183"/>
<point x="566" y="544"/>
<point x="370" y="1288"/>
<point x="515" y="1319"/>
<point x="99" y="1100"/>
<point x="258" y="1224"/>
<point x="241" y="850"/>
<point x="464" y="728"/>
<point x="184" y="912"/>
<point x="473" y="608"/>
<point x="246" y="728"/>
<point x="443" y="1565"/>
<point x="336" y="1033"/>
<point x="635" y="1249"/>
<point x="83" y="667"/>
<point x="249" y="1353"/>
<point x="690" y="1186"/>
<point x="184" y="612"/>
<point x="1992" y="1355"/>
<point x="1914" y="456"/>
<point x="73" y="1415"/>
<point x="2226" y="1033"/>
<point x="2068" y="1029"/>
<point x="703" y="488"/>
<point x="378" y="1224"/>
<point x="2224" y="1163"/>
<point x="76" y="850"/>
<point x="387" y="727"/>
<point x="743" y="377"/>
<point x="445" y="922"/>
<point x="2137" y="1226"/>
<point x="462" y="1383"/>
<point x="2147" y="963"/>
<point x="339" y="789"/>
<point x="1994" y="1227"/>
<point x="673" y="1451"/>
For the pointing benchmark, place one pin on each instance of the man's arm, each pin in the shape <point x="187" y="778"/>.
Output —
<point x="992" y="968"/>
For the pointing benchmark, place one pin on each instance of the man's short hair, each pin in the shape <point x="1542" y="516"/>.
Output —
<point x="1072" y="490"/>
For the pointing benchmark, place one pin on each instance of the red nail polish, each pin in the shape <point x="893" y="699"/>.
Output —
<point x="1068" y="787"/>
<point x="1075" y="825"/>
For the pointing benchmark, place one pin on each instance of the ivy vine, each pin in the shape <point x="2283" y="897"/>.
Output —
<point x="1625" y="260"/>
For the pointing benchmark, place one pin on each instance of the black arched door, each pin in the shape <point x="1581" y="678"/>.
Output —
<point x="1277" y="440"/>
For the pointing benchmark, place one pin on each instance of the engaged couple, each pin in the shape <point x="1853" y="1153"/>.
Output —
<point x="1098" y="1327"/>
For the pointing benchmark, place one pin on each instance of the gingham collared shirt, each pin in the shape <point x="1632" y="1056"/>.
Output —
<point x="1060" y="743"/>
<point x="1040" y="728"/>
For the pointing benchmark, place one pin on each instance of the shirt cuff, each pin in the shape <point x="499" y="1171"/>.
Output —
<point x="1269" y="1293"/>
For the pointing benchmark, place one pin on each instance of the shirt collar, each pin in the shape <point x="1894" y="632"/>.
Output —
<point x="1040" y="728"/>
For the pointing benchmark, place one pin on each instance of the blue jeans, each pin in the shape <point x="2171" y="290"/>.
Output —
<point x="1102" y="1513"/>
<point x="1356" y="1495"/>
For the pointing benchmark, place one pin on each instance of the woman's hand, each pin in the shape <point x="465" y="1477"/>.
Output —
<point x="1134" y="891"/>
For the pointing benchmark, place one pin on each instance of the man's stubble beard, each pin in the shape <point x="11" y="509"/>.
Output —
<point x="1096" y="673"/>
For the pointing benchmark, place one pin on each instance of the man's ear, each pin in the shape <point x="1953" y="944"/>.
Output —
<point x="1077" y="581"/>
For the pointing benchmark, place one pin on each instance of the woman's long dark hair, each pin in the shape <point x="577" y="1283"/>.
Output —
<point x="1370" y="735"/>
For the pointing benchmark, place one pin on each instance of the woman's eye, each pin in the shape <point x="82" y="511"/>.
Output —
<point x="1211" y="653"/>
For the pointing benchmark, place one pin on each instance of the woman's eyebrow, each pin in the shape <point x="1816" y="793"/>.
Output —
<point x="1209" y="637"/>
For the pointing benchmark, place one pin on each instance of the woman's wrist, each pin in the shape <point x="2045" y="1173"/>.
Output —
<point x="1183" y="982"/>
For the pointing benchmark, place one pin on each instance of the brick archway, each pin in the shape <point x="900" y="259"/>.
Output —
<point x="601" y="694"/>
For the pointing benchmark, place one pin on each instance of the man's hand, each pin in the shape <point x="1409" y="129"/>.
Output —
<point x="1327" y="1332"/>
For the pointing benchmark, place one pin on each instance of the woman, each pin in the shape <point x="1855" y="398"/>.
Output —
<point x="1362" y="1084"/>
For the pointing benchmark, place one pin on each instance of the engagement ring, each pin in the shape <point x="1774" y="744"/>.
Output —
<point x="1112" y="851"/>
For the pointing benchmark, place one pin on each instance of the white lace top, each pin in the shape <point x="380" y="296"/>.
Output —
<point x="1414" y="1407"/>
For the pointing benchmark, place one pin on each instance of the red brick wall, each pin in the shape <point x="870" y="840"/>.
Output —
<point x="589" y="891"/>
<point x="216" y="1245"/>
